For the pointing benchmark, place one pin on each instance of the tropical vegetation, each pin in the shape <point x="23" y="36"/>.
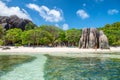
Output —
<point x="52" y="36"/>
<point x="113" y="33"/>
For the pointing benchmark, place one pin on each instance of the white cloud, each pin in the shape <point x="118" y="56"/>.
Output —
<point x="113" y="11"/>
<point x="51" y="15"/>
<point x="82" y="14"/>
<point x="8" y="11"/>
<point x="84" y="4"/>
<point x="65" y="26"/>
<point x="57" y="25"/>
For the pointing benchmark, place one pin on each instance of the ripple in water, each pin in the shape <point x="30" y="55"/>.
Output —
<point x="65" y="68"/>
<point x="28" y="71"/>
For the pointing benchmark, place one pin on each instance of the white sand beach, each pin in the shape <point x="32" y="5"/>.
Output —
<point x="64" y="51"/>
<point x="57" y="49"/>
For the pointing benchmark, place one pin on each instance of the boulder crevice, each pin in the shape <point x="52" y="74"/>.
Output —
<point x="92" y="38"/>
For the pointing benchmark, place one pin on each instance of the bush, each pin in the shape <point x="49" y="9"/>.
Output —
<point x="1" y="42"/>
<point x="17" y="44"/>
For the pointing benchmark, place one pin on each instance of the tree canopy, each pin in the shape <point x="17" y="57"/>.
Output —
<point x="113" y="33"/>
<point x="13" y="35"/>
<point x="73" y="36"/>
<point x="48" y="35"/>
<point x="54" y="31"/>
<point x="35" y="37"/>
<point x="30" y="26"/>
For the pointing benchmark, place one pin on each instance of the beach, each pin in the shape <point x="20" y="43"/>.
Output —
<point x="57" y="49"/>
<point x="113" y="52"/>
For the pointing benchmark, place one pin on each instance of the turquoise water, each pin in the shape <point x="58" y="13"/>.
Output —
<point x="64" y="68"/>
<point x="46" y="67"/>
<point x="28" y="71"/>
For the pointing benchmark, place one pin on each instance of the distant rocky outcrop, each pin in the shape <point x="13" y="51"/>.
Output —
<point x="13" y="22"/>
<point x="92" y="38"/>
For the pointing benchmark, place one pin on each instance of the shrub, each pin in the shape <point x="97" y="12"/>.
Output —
<point x="1" y="42"/>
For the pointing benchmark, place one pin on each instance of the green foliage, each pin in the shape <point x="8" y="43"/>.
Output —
<point x="30" y="26"/>
<point x="13" y="35"/>
<point x="54" y="31"/>
<point x="62" y="36"/>
<point x="42" y="37"/>
<point x="2" y="31"/>
<point x="26" y="37"/>
<point x="36" y="37"/>
<point x="47" y="35"/>
<point x="73" y="36"/>
<point x="1" y="42"/>
<point x="18" y="44"/>
<point x="113" y="33"/>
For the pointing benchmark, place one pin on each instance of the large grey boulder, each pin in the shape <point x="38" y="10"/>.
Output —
<point x="13" y="22"/>
<point x="103" y="41"/>
<point x="92" y="38"/>
<point x="83" y="43"/>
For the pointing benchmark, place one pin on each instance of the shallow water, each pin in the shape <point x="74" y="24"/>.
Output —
<point x="65" y="68"/>
<point x="46" y="67"/>
<point x="28" y="71"/>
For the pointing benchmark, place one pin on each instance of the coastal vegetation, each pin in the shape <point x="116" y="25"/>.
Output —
<point x="52" y="36"/>
<point x="113" y="33"/>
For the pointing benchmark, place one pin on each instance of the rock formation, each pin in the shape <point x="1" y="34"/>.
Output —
<point x="92" y="38"/>
<point x="13" y="22"/>
<point x="103" y="41"/>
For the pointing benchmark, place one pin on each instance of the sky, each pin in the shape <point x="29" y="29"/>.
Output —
<point x="65" y="14"/>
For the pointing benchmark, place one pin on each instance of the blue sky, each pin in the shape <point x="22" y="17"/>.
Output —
<point x="65" y="14"/>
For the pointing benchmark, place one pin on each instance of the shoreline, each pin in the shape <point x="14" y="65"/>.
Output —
<point x="56" y="49"/>
<point x="114" y="52"/>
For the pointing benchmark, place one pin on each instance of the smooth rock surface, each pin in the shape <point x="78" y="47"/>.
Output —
<point x="92" y="38"/>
